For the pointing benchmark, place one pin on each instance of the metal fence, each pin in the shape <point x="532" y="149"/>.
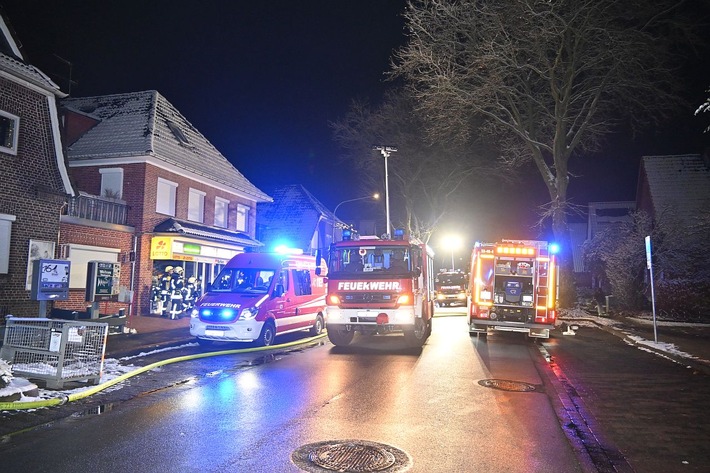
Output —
<point x="55" y="351"/>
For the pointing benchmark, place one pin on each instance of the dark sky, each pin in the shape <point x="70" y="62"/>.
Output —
<point x="261" y="80"/>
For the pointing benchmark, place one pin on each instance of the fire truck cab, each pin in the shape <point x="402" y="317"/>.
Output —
<point x="514" y="286"/>
<point x="451" y="288"/>
<point x="379" y="286"/>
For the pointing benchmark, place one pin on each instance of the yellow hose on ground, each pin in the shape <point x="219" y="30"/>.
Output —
<point x="19" y="405"/>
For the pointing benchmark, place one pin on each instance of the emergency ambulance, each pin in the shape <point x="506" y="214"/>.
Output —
<point x="258" y="296"/>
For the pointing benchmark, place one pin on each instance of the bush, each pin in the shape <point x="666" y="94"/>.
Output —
<point x="683" y="299"/>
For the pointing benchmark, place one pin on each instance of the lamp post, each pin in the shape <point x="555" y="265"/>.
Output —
<point x="453" y="242"/>
<point x="373" y="196"/>
<point x="386" y="152"/>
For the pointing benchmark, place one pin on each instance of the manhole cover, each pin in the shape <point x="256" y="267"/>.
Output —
<point x="506" y="385"/>
<point x="351" y="456"/>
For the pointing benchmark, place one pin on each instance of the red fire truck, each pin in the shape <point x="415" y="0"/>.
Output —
<point x="514" y="287"/>
<point x="379" y="286"/>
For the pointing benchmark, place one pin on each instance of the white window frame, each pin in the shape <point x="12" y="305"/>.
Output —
<point x="112" y="180"/>
<point x="165" y="198"/>
<point x="5" y="232"/>
<point x="221" y="212"/>
<point x="196" y="206"/>
<point x="15" y="133"/>
<point x="243" y="217"/>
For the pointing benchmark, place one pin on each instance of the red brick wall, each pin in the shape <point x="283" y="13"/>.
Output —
<point x="140" y="187"/>
<point x="100" y="237"/>
<point x="30" y="189"/>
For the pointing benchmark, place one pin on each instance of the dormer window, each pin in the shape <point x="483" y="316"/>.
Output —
<point x="178" y="133"/>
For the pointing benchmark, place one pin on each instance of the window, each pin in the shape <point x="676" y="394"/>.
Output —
<point x="179" y="134"/>
<point x="221" y="208"/>
<point x="9" y="127"/>
<point x="196" y="206"/>
<point x="5" y="230"/>
<point x="112" y="182"/>
<point x="165" y="200"/>
<point x="242" y="218"/>
<point x="302" y="282"/>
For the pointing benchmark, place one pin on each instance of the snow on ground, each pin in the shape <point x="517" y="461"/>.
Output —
<point x="113" y="368"/>
<point x="584" y="319"/>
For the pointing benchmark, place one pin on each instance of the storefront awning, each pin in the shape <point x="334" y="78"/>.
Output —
<point x="197" y="230"/>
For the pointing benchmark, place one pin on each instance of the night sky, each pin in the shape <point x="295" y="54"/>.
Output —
<point x="262" y="79"/>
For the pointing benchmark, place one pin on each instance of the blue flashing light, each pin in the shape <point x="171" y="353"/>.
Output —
<point x="554" y="248"/>
<point x="398" y="234"/>
<point x="286" y="250"/>
<point x="227" y="314"/>
<point x="347" y="234"/>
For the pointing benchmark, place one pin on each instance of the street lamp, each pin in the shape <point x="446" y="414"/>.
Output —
<point x="453" y="242"/>
<point x="373" y="196"/>
<point x="386" y="152"/>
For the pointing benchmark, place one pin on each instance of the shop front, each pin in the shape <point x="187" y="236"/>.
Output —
<point x="183" y="264"/>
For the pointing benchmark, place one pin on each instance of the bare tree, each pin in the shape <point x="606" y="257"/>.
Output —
<point x="548" y="78"/>
<point x="423" y="177"/>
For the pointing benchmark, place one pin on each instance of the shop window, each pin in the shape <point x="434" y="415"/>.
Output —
<point x="196" y="206"/>
<point x="112" y="182"/>
<point x="165" y="200"/>
<point x="221" y="212"/>
<point x="242" y="218"/>
<point x="9" y="127"/>
<point x="5" y="230"/>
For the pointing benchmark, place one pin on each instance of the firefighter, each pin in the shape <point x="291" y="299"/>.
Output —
<point x="165" y="291"/>
<point x="190" y="293"/>
<point x="177" y="283"/>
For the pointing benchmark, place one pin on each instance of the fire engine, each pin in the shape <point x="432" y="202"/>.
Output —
<point x="514" y="286"/>
<point x="451" y="288"/>
<point x="379" y="286"/>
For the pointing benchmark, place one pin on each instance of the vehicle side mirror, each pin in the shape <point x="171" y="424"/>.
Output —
<point x="417" y="272"/>
<point x="279" y="290"/>
<point x="319" y="259"/>
<point x="208" y="287"/>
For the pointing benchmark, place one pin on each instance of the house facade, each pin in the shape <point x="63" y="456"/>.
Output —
<point x="152" y="192"/>
<point x="34" y="181"/>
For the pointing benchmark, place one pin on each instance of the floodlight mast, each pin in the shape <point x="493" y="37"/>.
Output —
<point x="386" y="152"/>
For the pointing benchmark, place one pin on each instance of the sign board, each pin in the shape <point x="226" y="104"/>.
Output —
<point x="102" y="280"/>
<point x="648" y="252"/>
<point x="50" y="280"/>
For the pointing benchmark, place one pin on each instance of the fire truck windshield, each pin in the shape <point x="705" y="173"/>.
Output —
<point x="365" y="259"/>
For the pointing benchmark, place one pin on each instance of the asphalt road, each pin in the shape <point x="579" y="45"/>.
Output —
<point x="459" y="404"/>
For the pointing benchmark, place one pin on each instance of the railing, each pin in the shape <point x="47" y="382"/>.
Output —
<point x="99" y="209"/>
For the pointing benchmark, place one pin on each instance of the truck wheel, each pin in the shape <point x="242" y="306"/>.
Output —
<point x="417" y="336"/>
<point x="268" y="333"/>
<point x="340" y="336"/>
<point x="317" y="327"/>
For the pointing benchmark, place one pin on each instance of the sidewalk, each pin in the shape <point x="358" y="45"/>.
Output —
<point x="685" y="343"/>
<point x="147" y="333"/>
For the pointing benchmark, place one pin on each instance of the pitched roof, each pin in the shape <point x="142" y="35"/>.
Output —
<point x="12" y="62"/>
<point x="678" y="184"/>
<point x="292" y="218"/>
<point x="145" y="124"/>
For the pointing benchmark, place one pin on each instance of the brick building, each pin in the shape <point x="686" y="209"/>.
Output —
<point x="152" y="192"/>
<point x="33" y="177"/>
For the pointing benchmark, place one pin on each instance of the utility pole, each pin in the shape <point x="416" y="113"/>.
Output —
<point x="386" y="152"/>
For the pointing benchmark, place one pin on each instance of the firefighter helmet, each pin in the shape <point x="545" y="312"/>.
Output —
<point x="191" y="279"/>
<point x="178" y="269"/>
<point x="168" y="268"/>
